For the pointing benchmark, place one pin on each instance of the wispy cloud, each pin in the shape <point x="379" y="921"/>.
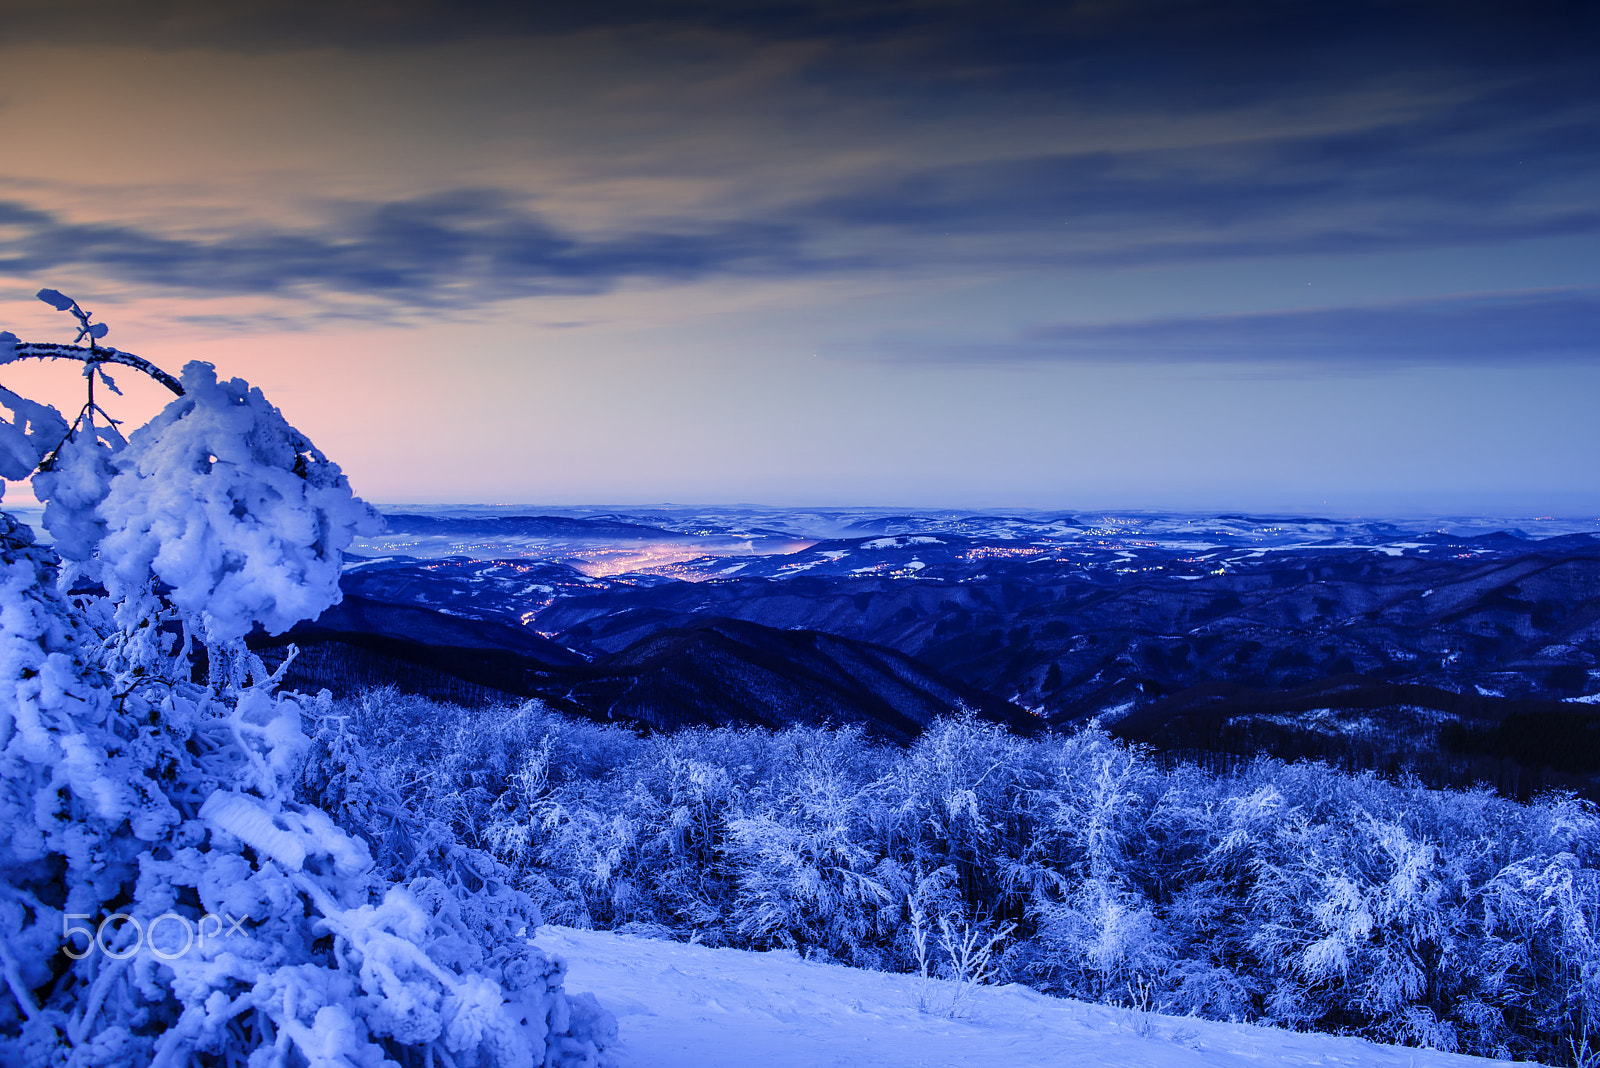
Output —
<point x="709" y="139"/>
<point x="1472" y="173"/>
<point x="454" y="250"/>
<point x="1510" y="328"/>
<point x="1465" y="174"/>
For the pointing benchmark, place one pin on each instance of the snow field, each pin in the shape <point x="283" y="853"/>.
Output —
<point x="690" y="1006"/>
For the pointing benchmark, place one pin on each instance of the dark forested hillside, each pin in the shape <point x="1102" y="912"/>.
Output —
<point x="712" y="672"/>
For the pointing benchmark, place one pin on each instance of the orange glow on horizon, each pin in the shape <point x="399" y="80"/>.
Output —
<point x="663" y="559"/>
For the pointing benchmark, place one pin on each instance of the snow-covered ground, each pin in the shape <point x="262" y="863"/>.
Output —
<point x="683" y="1006"/>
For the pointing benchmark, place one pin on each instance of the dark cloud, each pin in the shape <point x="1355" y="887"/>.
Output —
<point x="1506" y="150"/>
<point x="1477" y="171"/>
<point x="1428" y="182"/>
<point x="1186" y="53"/>
<point x="455" y="250"/>
<point x="1547" y="326"/>
<point x="1467" y="174"/>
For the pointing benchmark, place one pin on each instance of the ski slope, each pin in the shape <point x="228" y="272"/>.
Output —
<point x="686" y="1006"/>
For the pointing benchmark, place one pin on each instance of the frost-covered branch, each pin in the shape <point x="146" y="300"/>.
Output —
<point x="94" y="354"/>
<point x="11" y="349"/>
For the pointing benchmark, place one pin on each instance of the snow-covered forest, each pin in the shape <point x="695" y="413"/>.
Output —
<point x="1295" y="895"/>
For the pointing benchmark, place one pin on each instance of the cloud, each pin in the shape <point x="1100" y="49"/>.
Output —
<point x="926" y="57"/>
<point x="1129" y="42"/>
<point x="448" y="251"/>
<point x="1438" y="177"/>
<point x="1555" y="326"/>
<point x="913" y="136"/>
<point x="1478" y="171"/>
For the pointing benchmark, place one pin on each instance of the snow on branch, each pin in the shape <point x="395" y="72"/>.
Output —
<point x="12" y="348"/>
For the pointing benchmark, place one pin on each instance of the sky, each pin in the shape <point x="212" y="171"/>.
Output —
<point x="1280" y="256"/>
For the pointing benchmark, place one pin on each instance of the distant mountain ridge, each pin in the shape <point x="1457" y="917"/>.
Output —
<point x="1187" y="632"/>
<point x="711" y="672"/>
<point x="527" y="526"/>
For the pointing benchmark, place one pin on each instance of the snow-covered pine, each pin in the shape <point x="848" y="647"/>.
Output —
<point x="170" y="893"/>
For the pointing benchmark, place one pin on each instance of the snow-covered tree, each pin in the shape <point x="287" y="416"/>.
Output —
<point x="811" y="871"/>
<point x="172" y="891"/>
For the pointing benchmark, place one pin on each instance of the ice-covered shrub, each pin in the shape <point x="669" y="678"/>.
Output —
<point x="221" y="500"/>
<point x="965" y="797"/>
<point x="72" y="485"/>
<point x="649" y="858"/>
<point x="1539" y="961"/>
<point x="810" y="873"/>
<point x="1098" y="933"/>
<point x="184" y="879"/>
<point x="31" y="432"/>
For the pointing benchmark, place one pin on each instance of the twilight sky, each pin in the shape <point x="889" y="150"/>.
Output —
<point x="1273" y="255"/>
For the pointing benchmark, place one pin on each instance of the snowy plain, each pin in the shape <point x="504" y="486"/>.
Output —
<point x="691" y="1006"/>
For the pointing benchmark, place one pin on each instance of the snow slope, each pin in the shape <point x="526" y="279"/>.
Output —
<point x="683" y="1006"/>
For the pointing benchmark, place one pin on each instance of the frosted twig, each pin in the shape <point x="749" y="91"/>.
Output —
<point x="14" y="983"/>
<point x="97" y="995"/>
